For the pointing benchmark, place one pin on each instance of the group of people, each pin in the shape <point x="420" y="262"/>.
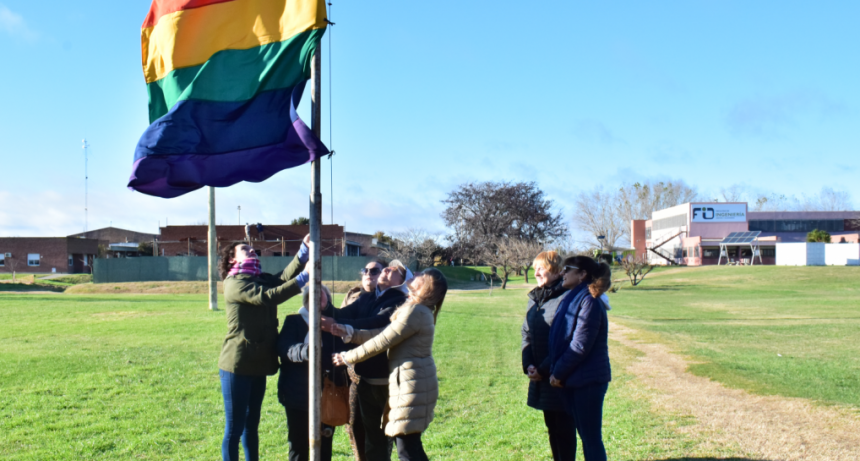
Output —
<point x="391" y="396"/>
<point x="565" y="351"/>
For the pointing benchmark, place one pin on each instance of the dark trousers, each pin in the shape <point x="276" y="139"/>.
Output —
<point x="410" y="448"/>
<point x="562" y="435"/>
<point x="297" y="436"/>
<point x="355" y="428"/>
<point x="243" y="399"/>
<point x="372" y="400"/>
<point x="585" y="405"/>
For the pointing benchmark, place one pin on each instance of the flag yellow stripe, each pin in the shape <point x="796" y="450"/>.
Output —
<point x="190" y="37"/>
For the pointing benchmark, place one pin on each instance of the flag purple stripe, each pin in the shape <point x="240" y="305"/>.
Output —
<point x="206" y="143"/>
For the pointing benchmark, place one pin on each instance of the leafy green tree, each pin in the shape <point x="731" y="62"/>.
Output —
<point x="818" y="236"/>
<point x="300" y="221"/>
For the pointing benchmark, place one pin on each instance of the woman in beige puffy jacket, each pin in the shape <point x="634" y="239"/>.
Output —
<point x="412" y="385"/>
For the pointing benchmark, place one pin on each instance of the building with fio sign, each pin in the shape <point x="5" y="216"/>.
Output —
<point x="705" y="233"/>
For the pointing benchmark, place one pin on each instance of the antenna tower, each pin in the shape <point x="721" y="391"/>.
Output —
<point x="85" y="147"/>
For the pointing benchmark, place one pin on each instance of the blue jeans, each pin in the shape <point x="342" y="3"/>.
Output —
<point x="585" y="405"/>
<point x="243" y="400"/>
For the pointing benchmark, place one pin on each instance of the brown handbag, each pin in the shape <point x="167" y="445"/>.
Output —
<point x="334" y="403"/>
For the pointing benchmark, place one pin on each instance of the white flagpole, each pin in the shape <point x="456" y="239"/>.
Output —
<point x="212" y="240"/>
<point x="315" y="272"/>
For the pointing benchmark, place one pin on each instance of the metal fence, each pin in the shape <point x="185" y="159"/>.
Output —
<point x="194" y="268"/>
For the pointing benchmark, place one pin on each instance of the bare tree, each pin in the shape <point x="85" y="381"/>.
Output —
<point x="12" y="263"/>
<point x="526" y="252"/>
<point x="639" y="200"/>
<point x="598" y="213"/>
<point x="481" y="213"/>
<point x="828" y="199"/>
<point x="734" y="193"/>
<point x="636" y="269"/>
<point x="414" y="245"/>
<point x="504" y="254"/>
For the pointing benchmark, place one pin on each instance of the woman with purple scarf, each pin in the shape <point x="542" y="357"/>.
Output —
<point x="249" y="352"/>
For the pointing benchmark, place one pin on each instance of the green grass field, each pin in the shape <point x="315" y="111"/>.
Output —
<point x="135" y="376"/>
<point x="791" y="331"/>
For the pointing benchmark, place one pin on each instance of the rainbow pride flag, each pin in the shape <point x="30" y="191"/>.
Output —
<point x="224" y="79"/>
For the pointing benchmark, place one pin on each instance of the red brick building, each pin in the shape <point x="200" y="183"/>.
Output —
<point x="272" y="240"/>
<point x="47" y="254"/>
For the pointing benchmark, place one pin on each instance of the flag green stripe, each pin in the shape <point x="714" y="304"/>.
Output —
<point x="237" y="75"/>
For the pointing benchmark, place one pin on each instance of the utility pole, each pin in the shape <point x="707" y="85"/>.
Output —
<point x="86" y="147"/>
<point x="212" y="241"/>
<point x="315" y="272"/>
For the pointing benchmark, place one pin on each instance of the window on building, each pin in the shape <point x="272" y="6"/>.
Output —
<point x="684" y="253"/>
<point x="797" y="225"/>
<point x="2" y="260"/>
<point x="768" y="252"/>
<point x="33" y="259"/>
<point x="696" y="249"/>
<point x="648" y="233"/>
<point x="711" y="253"/>
<point x="277" y="253"/>
<point x="71" y="260"/>
<point x="259" y="253"/>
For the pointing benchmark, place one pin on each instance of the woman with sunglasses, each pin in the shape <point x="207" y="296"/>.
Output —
<point x="579" y="350"/>
<point x="543" y="304"/>
<point x="356" y="297"/>
<point x="372" y="375"/>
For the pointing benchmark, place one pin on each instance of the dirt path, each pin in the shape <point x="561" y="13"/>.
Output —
<point x="772" y="428"/>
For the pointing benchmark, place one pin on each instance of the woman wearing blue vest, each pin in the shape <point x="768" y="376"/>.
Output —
<point x="579" y="352"/>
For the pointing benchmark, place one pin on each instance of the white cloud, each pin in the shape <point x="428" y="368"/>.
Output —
<point x="14" y="24"/>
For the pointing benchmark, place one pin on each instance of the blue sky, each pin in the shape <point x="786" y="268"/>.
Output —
<point x="428" y="95"/>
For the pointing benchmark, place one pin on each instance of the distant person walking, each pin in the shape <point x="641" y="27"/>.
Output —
<point x="413" y="387"/>
<point x="542" y="306"/>
<point x="293" y="348"/>
<point x="358" y="297"/>
<point x="579" y="350"/>
<point x="248" y="354"/>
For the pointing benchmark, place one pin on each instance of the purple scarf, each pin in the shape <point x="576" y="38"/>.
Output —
<point x="248" y="267"/>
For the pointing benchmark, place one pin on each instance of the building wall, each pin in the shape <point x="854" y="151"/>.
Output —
<point x="53" y="251"/>
<point x="637" y="238"/>
<point x="174" y="239"/>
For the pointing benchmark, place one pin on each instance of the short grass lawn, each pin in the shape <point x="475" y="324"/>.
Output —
<point x="124" y="377"/>
<point x="792" y="331"/>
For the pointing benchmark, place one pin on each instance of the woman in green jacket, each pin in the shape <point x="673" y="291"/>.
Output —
<point x="249" y="352"/>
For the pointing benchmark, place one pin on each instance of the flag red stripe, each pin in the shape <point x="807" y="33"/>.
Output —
<point x="161" y="7"/>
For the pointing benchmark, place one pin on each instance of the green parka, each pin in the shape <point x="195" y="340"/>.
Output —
<point x="252" y="320"/>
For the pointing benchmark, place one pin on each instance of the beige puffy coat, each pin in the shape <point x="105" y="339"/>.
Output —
<point x="412" y="385"/>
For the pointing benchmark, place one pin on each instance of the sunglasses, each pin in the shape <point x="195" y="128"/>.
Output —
<point x="371" y="272"/>
<point x="569" y="268"/>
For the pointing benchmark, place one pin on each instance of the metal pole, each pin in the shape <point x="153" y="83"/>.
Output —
<point x="212" y="239"/>
<point x="315" y="272"/>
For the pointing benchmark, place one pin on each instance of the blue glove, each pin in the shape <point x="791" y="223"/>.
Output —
<point x="304" y="252"/>
<point x="302" y="279"/>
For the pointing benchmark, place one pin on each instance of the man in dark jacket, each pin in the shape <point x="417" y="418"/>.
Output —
<point x="371" y="311"/>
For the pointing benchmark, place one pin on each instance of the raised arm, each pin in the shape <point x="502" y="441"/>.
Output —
<point x="260" y="295"/>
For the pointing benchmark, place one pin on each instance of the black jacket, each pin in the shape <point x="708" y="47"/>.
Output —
<point x="543" y="303"/>
<point x="293" y="379"/>
<point x="368" y="313"/>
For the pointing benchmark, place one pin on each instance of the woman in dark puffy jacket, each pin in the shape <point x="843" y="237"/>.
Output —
<point x="543" y="303"/>
<point x="579" y="350"/>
